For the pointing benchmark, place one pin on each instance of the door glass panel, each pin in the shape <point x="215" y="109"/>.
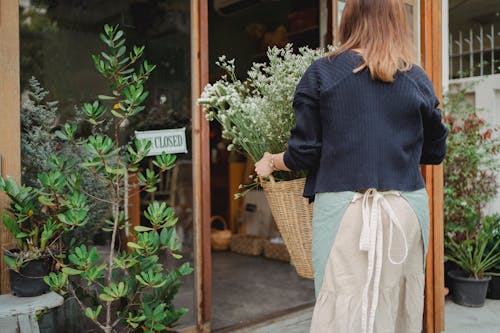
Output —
<point x="412" y="10"/>
<point x="57" y="39"/>
<point x="243" y="277"/>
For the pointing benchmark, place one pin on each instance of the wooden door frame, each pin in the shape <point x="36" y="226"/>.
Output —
<point x="201" y="165"/>
<point x="10" y="125"/>
<point x="431" y="58"/>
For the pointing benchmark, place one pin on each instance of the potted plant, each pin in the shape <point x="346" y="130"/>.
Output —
<point x="38" y="218"/>
<point x="125" y="290"/>
<point x="476" y="255"/>
<point x="470" y="170"/>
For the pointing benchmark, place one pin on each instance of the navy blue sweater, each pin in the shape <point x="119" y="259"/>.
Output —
<point x="354" y="133"/>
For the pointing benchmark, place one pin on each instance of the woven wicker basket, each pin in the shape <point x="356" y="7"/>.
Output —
<point x="247" y="244"/>
<point x="276" y="251"/>
<point x="293" y="215"/>
<point x="220" y="239"/>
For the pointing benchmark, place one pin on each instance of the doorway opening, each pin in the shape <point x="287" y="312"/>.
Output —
<point x="253" y="280"/>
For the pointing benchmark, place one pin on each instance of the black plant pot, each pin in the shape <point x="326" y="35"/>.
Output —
<point x="468" y="291"/>
<point x="494" y="288"/>
<point x="29" y="281"/>
<point x="449" y="266"/>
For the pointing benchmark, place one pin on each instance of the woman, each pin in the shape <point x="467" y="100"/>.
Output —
<point x="366" y="117"/>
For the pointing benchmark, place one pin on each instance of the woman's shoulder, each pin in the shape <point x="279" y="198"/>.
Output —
<point x="420" y="79"/>
<point x="330" y="67"/>
<point x="417" y="74"/>
<point x="344" y="58"/>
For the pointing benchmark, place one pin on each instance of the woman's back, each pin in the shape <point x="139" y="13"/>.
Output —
<point x="354" y="132"/>
<point x="364" y="123"/>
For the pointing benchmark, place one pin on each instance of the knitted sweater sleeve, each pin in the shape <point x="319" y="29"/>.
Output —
<point x="435" y="132"/>
<point x="304" y="144"/>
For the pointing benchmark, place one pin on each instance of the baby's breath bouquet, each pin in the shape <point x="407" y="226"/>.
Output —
<point x="257" y="114"/>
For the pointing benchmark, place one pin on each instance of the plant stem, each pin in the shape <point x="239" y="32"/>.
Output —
<point x="83" y="307"/>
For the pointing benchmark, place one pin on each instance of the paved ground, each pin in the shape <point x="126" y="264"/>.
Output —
<point x="460" y="319"/>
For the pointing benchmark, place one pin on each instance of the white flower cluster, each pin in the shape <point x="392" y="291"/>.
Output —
<point x="257" y="114"/>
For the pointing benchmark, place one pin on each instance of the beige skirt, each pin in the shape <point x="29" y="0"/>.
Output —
<point x="373" y="279"/>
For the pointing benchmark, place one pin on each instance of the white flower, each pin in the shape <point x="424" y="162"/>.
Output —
<point x="257" y="114"/>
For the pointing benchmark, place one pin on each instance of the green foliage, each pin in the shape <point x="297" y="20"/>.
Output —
<point x="470" y="167"/>
<point x="43" y="151"/>
<point x="471" y="163"/>
<point x="38" y="218"/>
<point x="38" y="119"/>
<point x="476" y="256"/>
<point x="129" y="290"/>
<point x="491" y="226"/>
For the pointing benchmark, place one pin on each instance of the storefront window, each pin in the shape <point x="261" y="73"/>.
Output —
<point x="57" y="39"/>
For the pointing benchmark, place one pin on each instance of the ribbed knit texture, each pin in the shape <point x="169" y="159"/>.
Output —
<point x="355" y="133"/>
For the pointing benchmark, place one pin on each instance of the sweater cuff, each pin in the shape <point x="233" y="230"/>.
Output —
<point x="287" y="159"/>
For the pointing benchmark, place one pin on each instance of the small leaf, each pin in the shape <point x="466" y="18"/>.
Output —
<point x="106" y="298"/>
<point x="71" y="271"/>
<point x="134" y="245"/>
<point x="117" y="114"/>
<point x="106" y="98"/>
<point x="141" y="228"/>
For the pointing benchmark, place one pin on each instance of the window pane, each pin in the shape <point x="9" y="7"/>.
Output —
<point x="57" y="40"/>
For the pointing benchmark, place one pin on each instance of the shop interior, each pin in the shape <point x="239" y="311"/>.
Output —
<point x="253" y="279"/>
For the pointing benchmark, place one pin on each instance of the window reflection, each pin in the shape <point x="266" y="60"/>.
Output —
<point x="57" y="39"/>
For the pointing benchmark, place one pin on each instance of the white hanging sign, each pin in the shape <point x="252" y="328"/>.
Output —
<point x="170" y="141"/>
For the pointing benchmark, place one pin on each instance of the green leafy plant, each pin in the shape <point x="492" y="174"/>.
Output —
<point x="491" y="226"/>
<point x="38" y="121"/>
<point x="39" y="144"/>
<point x="477" y="255"/>
<point x="470" y="166"/>
<point x="470" y="183"/>
<point x="38" y="218"/>
<point x="128" y="290"/>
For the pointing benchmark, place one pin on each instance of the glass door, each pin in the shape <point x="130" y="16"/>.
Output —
<point x="57" y="40"/>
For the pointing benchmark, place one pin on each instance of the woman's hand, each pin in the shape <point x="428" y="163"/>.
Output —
<point x="264" y="167"/>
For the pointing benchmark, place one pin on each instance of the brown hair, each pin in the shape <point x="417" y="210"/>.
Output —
<point x="379" y="28"/>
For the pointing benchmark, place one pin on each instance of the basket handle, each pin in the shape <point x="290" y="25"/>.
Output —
<point x="220" y="218"/>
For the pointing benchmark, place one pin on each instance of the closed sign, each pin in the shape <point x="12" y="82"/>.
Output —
<point x="170" y="141"/>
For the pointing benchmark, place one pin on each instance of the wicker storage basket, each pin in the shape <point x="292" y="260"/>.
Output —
<point x="220" y="239"/>
<point x="293" y="215"/>
<point x="247" y="244"/>
<point x="276" y="251"/>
